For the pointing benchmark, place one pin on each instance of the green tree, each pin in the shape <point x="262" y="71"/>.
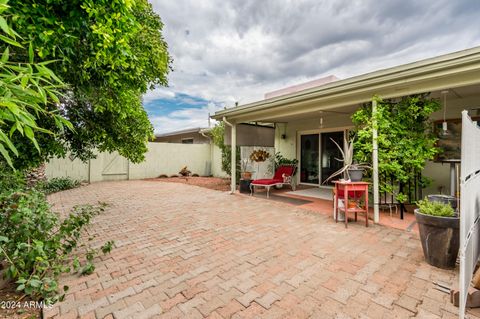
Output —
<point x="405" y="138"/>
<point x="28" y="95"/>
<point x="108" y="52"/>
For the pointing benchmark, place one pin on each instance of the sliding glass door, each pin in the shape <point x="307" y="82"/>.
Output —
<point x="319" y="156"/>
<point x="331" y="160"/>
<point x="309" y="156"/>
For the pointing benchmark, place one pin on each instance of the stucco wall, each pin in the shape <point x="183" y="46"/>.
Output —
<point x="169" y="158"/>
<point x="161" y="158"/>
<point x="217" y="163"/>
<point x="61" y="167"/>
<point x="288" y="146"/>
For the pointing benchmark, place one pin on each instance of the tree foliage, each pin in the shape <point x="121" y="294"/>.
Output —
<point x="405" y="138"/>
<point x="28" y="94"/>
<point x="109" y="52"/>
<point x="218" y="136"/>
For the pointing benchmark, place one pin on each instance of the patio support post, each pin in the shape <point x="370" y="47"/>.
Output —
<point x="233" y="176"/>
<point x="233" y="167"/>
<point x="376" y="212"/>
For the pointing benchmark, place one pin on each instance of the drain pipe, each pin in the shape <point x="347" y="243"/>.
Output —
<point x="233" y="166"/>
<point x="210" y="172"/>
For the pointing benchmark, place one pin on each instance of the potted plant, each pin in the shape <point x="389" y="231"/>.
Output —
<point x="439" y="233"/>
<point x="246" y="174"/>
<point x="352" y="171"/>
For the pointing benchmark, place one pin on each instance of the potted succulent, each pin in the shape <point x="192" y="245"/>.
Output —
<point x="439" y="233"/>
<point x="352" y="171"/>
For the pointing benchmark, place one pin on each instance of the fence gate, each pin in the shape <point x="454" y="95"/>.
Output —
<point x="469" y="206"/>
<point x="115" y="167"/>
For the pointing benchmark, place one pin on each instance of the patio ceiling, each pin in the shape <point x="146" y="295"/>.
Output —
<point x="456" y="70"/>
<point x="467" y="94"/>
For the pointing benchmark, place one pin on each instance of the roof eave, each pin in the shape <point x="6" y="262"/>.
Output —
<point x="401" y="74"/>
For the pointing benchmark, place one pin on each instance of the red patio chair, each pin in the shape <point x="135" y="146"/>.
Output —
<point x="283" y="176"/>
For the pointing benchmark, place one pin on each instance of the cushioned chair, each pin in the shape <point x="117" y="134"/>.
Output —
<point x="283" y="176"/>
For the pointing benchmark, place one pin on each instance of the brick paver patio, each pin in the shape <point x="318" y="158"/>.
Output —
<point x="189" y="252"/>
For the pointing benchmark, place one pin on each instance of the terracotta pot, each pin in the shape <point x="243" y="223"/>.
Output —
<point x="247" y="175"/>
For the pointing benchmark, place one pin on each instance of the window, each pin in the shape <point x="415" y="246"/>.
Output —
<point x="187" y="140"/>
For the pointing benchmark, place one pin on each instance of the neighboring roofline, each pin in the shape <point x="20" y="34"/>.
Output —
<point x="363" y="83"/>
<point x="185" y="131"/>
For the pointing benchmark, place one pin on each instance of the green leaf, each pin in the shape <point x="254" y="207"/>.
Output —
<point x="10" y="41"/>
<point x="4" y="26"/>
<point x="4" y="138"/>
<point x="30" y="52"/>
<point x="5" y="55"/>
<point x="35" y="283"/>
<point x="31" y="136"/>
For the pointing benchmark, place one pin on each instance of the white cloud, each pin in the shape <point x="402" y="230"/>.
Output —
<point x="158" y="93"/>
<point x="227" y="51"/>
<point x="183" y="119"/>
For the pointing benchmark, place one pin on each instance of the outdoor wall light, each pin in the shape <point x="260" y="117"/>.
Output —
<point x="444" y="123"/>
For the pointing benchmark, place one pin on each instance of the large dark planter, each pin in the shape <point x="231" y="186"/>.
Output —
<point x="356" y="175"/>
<point x="245" y="186"/>
<point x="440" y="237"/>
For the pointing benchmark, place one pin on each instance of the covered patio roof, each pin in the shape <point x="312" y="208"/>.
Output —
<point x="452" y="70"/>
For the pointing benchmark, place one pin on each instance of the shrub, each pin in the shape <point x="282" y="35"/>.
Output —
<point x="435" y="208"/>
<point x="10" y="180"/>
<point x="57" y="184"/>
<point x="218" y="132"/>
<point x="37" y="246"/>
<point x="279" y="160"/>
<point x="185" y="172"/>
<point x="405" y="138"/>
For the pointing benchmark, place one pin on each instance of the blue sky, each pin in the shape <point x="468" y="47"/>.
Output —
<point x="170" y="111"/>
<point x="227" y="51"/>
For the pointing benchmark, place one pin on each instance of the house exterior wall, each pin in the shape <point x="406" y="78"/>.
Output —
<point x="288" y="146"/>
<point x="197" y="138"/>
<point x="438" y="172"/>
<point x="161" y="158"/>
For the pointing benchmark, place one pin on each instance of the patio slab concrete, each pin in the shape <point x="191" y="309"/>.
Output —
<point x="187" y="252"/>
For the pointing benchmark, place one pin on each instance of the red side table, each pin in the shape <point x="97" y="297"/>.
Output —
<point x="360" y="188"/>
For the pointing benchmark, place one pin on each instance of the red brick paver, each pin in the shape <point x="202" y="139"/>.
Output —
<point x="187" y="252"/>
